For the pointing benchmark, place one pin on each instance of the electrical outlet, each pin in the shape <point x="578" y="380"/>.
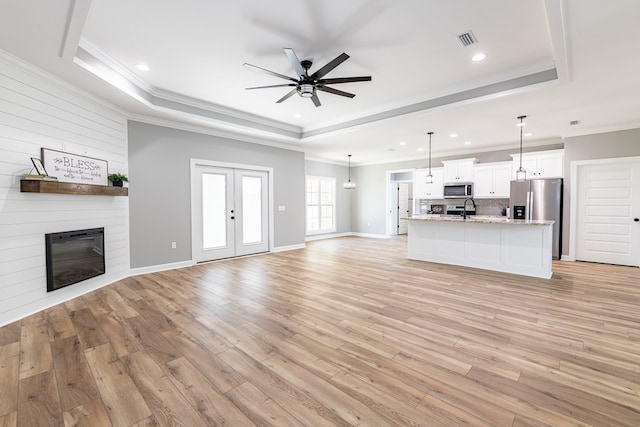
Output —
<point x="173" y="245"/>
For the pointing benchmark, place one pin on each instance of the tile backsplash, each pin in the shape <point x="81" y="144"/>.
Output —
<point x="483" y="206"/>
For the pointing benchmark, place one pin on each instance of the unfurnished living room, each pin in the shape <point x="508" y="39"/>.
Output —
<point x="319" y="213"/>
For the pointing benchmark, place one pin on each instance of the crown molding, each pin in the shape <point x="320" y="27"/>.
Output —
<point x="108" y="69"/>
<point x="490" y="91"/>
<point x="206" y="129"/>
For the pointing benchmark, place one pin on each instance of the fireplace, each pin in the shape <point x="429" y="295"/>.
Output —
<point x="74" y="256"/>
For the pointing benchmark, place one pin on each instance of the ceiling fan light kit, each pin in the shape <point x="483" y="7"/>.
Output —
<point x="306" y="86"/>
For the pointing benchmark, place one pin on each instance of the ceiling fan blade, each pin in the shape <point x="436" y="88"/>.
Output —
<point x="273" y="73"/>
<point x="316" y="100"/>
<point x="288" y="95"/>
<point x="335" y="91"/>
<point x="295" y="62"/>
<point x="267" y="87"/>
<point x="345" y="80"/>
<point x="330" y="66"/>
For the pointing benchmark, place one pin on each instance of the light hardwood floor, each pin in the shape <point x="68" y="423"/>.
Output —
<point x="345" y="332"/>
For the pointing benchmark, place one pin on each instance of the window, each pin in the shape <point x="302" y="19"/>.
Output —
<point x="321" y="209"/>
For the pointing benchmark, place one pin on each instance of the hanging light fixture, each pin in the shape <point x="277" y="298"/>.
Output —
<point x="429" y="176"/>
<point x="349" y="185"/>
<point x="521" y="174"/>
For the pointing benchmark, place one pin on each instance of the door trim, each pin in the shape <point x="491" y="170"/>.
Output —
<point x="573" y="198"/>
<point x="389" y="199"/>
<point x="194" y="197"/>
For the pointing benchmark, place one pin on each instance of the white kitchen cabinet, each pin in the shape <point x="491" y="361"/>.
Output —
<point x="422" y="190"/>
<point x="540" y="164"/>
<point x="458" y="170"/>
<point x="492" y="180"/>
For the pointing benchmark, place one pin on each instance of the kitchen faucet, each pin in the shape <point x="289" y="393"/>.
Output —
<point x="464" y="207"/>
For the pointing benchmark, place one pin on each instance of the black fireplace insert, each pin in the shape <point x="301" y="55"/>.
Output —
<point x="74" y="256"/>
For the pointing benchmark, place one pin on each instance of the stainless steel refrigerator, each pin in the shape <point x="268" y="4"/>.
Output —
<point x="539" y="199"/>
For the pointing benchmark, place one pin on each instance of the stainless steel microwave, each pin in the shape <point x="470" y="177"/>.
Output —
<point x="458" y="190"/>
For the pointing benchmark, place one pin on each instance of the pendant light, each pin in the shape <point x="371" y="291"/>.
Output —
<point x="521" y="174"/>
<point x="429" y="176"/>
<point x="349" y="185"/>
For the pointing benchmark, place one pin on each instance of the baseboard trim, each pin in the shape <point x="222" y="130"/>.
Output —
<point x="288" y="248"/>
<point x="567" y="258"/>
<point x="374" y="236"/>
<point x="160" y="267"/>
<point x="326" y="236"/>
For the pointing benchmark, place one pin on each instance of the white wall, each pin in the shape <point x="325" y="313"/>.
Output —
<point x="38" y="110"/>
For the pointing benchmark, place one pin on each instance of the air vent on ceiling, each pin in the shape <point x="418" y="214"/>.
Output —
<point x="467" y="39"/>
<point x="574" y="122"/>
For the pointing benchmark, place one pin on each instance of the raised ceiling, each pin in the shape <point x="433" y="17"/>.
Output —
<point x="554" y="61"/>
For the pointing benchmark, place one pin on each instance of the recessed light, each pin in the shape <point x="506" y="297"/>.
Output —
<point x="467" y="143"/>
<point x="403" y="143"/>
<point x="521" y="124"/>
<point x="479" y="57"/>
<point x="297" y="115"/>
<point x="528" y="134"/>
<point x="420" y="149"/>
<point x="453" y="135"/>
<point x="142" y="67"/>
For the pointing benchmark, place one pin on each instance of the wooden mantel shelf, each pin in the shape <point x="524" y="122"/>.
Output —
<point x="39" y="186"/>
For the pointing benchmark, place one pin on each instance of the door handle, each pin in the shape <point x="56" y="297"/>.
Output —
<point x="636" y="219"/>
<point x="233" y="217"/>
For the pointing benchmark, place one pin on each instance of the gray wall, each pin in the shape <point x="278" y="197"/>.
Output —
<point x="159" y="188"/>
<point x="368" y="211"/>
<point x="597" y="146"/>
<point x="343" y="197"/>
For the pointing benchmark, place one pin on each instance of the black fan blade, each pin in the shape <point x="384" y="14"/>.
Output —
<point x="335" y="91"/>
<point x="267" y="87"/>
<point x="344" y="80"/>
<point x="273" y="73"/>
<point x="288" y="95"/>
<point x="330" y="66"/>
<point x="295" y="62"/>
<point x="316" y="100"/>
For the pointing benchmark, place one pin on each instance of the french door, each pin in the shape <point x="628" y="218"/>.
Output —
<point x="231" y="212"/>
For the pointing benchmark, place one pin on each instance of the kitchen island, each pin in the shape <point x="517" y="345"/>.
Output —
<point x="499" y="244"/>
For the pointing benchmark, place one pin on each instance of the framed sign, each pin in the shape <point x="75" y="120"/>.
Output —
<point x="37" y="164"/>
<point x="69" y="167"/>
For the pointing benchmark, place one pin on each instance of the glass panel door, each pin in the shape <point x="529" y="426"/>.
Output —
<point x="231" y="212"/>
<point x="214" y="210"/>
<point x="252" y="205"/>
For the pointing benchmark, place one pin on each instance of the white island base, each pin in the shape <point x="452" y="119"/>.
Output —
<point x="511" y="246"/>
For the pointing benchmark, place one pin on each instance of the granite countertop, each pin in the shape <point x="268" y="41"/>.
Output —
<point x="479" y="219"/>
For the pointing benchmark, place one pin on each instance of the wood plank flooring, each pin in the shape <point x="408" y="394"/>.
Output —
<point x="344" y="332"/>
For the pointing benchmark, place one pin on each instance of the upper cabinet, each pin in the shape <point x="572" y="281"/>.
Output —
<point x="492" y="180"/>
<point x="458" y="170"/>
<point x="422" y="190"/>
<point x="540" y="164"/>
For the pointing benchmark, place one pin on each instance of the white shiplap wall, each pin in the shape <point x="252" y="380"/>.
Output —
<point x="38" y="110"/>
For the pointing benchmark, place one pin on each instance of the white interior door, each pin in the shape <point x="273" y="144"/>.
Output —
<point x="608" y="229"/>
<point x="403" y="207"/>
<point x="231" y="213"/>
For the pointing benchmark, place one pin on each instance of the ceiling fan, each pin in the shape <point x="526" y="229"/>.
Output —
<point x="307" y="85"/>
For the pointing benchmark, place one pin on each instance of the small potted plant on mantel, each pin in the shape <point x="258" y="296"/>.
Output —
<point x="117" y="179"/>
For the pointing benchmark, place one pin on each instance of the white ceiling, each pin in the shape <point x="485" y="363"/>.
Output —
<point x="554" y="61"/>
